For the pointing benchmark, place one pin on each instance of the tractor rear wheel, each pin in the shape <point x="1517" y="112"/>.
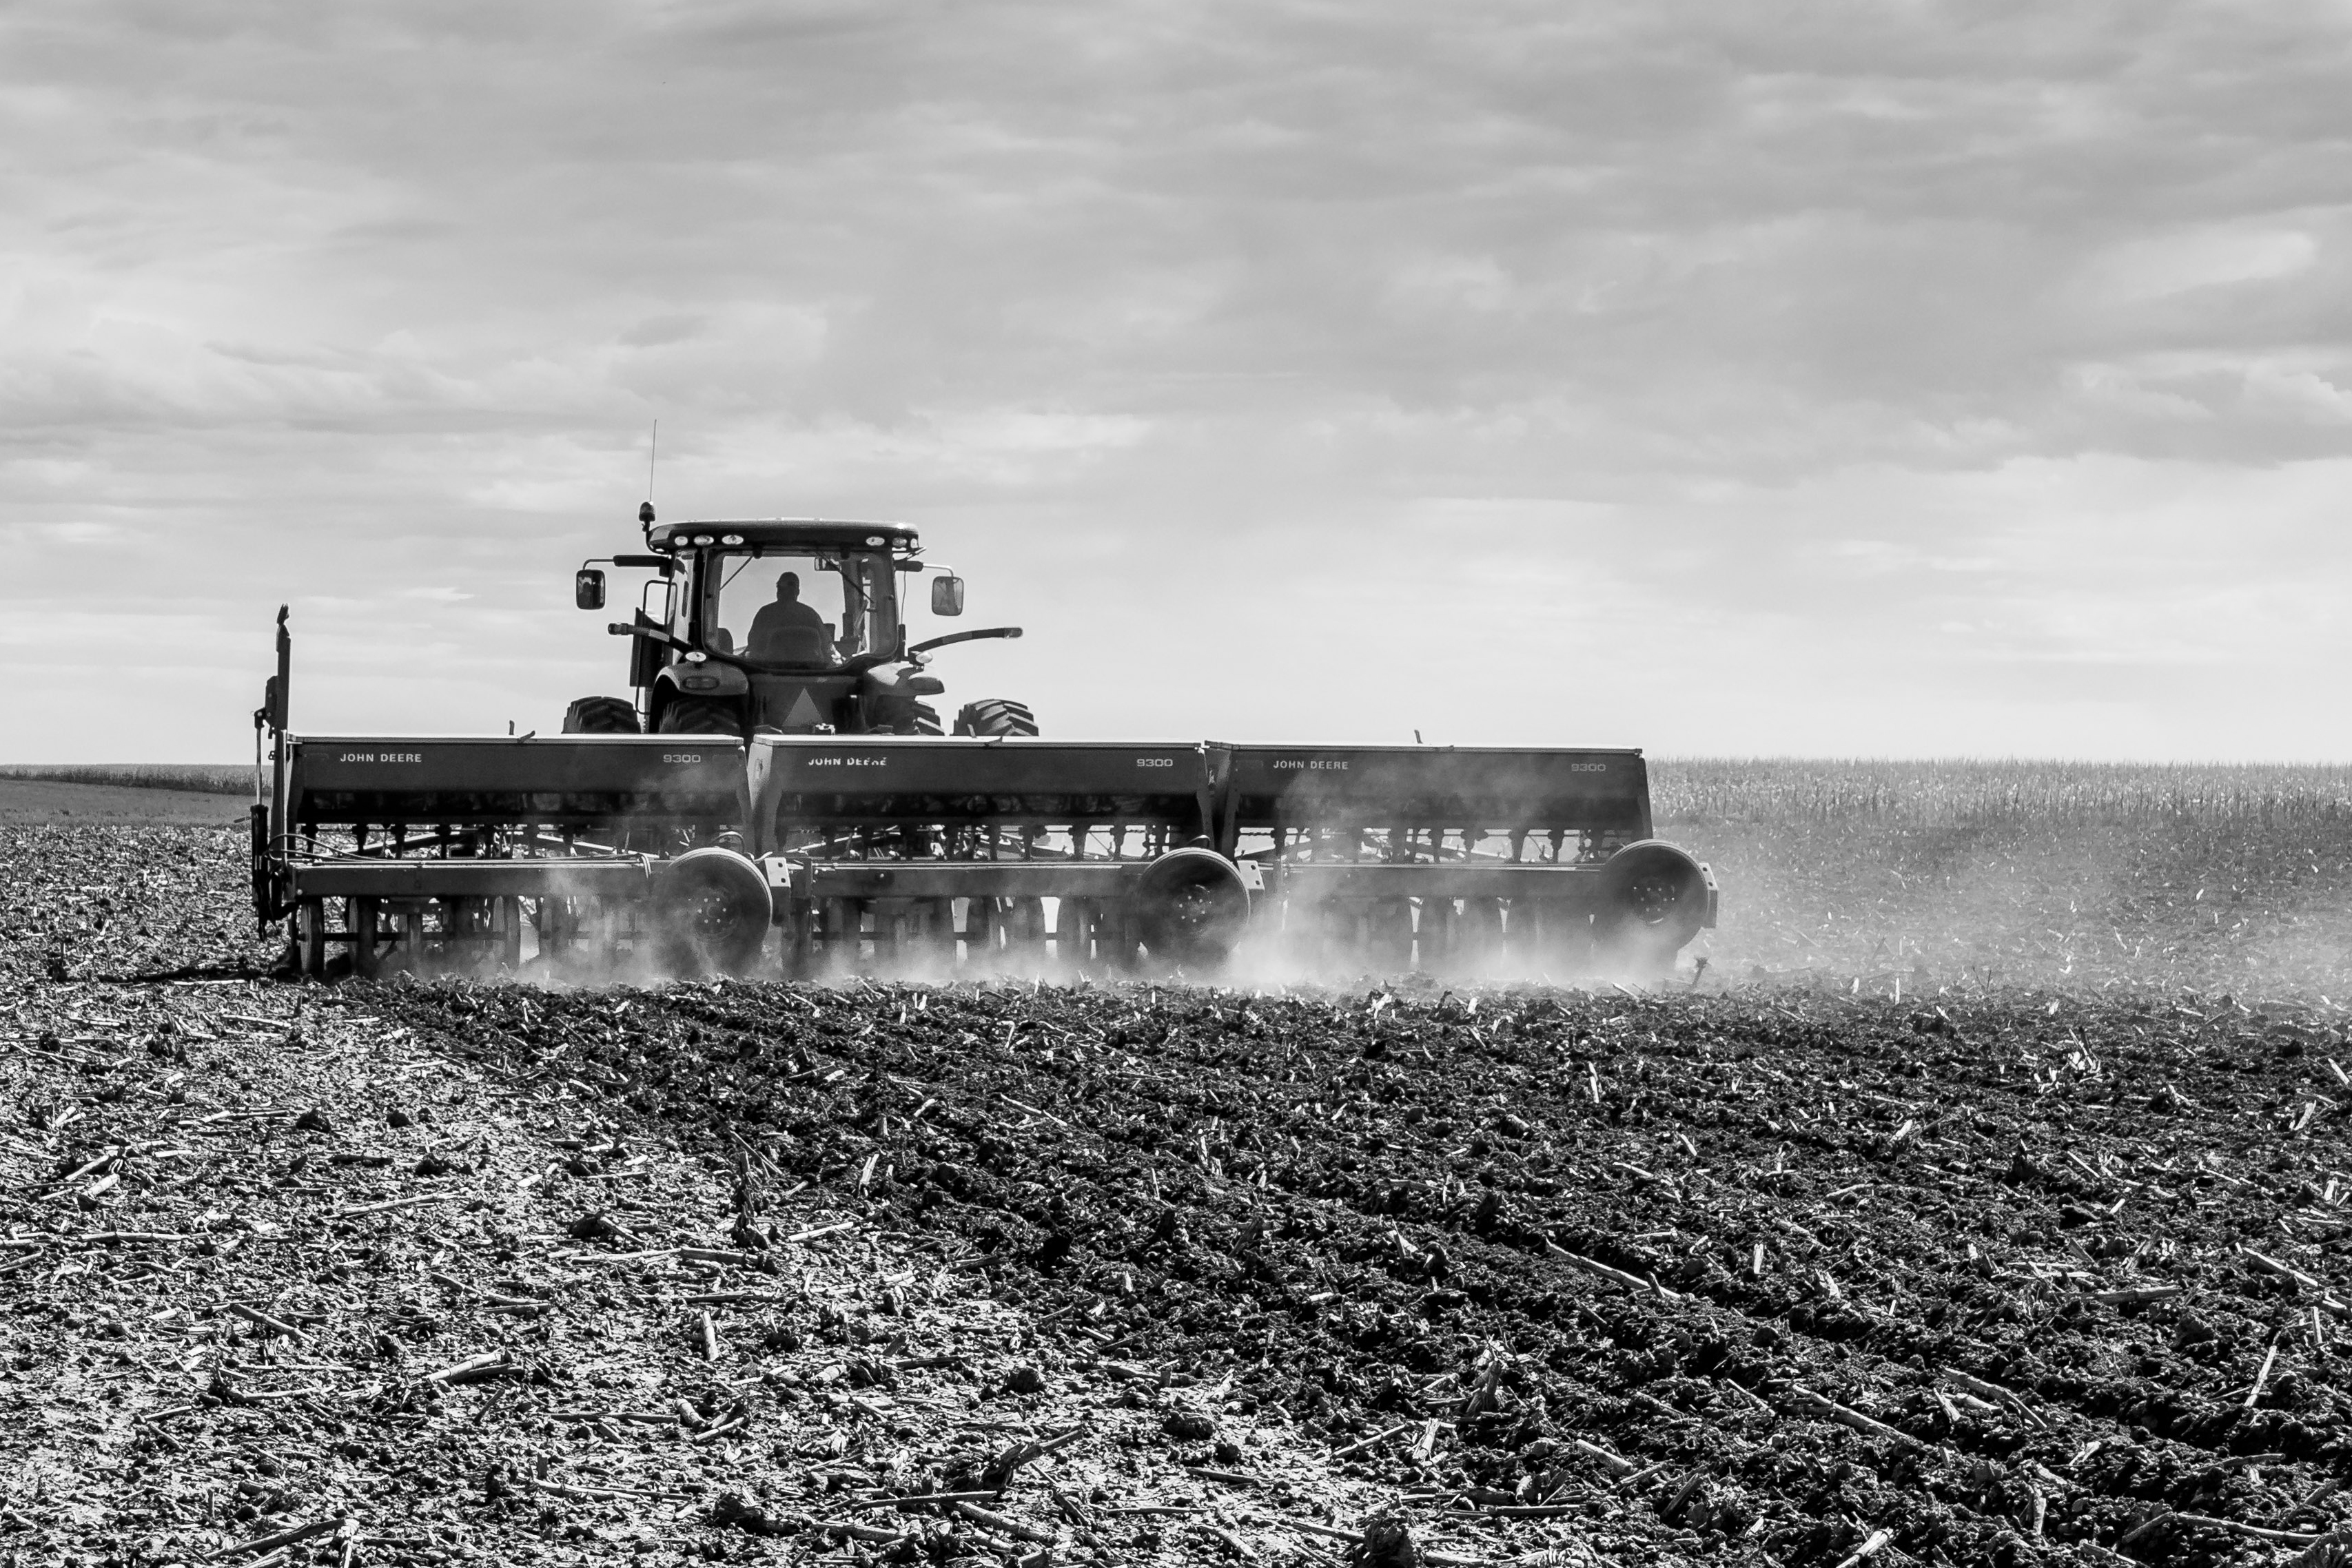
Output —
<point x="700" y="716"/>
<point x="600" y="715"/>
<point x="996" y="715"/>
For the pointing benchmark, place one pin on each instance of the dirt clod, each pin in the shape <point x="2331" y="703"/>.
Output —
<point x="1387" y="1543"/>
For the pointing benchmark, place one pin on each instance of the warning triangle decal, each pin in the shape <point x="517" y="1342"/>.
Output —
<point x="803" y="714"/>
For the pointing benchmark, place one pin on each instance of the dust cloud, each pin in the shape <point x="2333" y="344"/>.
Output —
<point x="1883" y="906"/>
<point x="2148" y="906"/>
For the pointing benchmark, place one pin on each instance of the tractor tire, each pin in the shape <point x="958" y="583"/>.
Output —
<point x="996" y="715"/>
<point x="1656" y="898"/>
<point x="700" y="716"/>
<point x="712" y="908"/>
<point x="600" y="715"/>
<point x="925" y="720"/>
<point x="1191" y="906"/>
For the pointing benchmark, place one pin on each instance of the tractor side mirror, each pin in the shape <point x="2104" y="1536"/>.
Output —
<point x="946" y="595"/>
<point x="588" y="587"/>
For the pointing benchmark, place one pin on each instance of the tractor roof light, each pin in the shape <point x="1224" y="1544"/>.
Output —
<point x="704" y="540"/>
<point x="732" y="539"/>
<point x="876" y="540"/>
<point x="697" y="656"/>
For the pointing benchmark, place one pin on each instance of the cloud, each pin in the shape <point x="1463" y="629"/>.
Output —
<point x="1162" y="318"/>
<point x="2160" y="266"/>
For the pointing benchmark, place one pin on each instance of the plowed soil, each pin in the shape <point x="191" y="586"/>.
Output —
<point x="1771" y="1274"/>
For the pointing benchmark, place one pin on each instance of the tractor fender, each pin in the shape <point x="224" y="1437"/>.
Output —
<point x="1656" y="889"/>
<point x="712" y="679"/>
<point x="908" y="682"/>
<point x="1191" y="906"/>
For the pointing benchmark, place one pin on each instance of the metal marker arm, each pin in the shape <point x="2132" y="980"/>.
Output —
<point x="965" y="637"/>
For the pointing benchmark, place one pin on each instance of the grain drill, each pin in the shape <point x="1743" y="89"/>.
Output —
<point x="776" y="796"/>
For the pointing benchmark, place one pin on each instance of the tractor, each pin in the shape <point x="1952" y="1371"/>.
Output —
<point x="781" y="628"/>
<point x="777" y="798"/>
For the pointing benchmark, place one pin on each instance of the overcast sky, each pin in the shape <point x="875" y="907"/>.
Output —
<point x="1883" y="378"/>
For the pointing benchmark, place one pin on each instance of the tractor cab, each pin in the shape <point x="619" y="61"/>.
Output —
<point x="791" y="627"/>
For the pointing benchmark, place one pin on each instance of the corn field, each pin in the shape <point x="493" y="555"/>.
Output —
<point x="1962" y="793"/>
<point x="204" y="777"/>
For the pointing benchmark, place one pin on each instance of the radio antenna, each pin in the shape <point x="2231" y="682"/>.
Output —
<point x="653" y="450"/>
